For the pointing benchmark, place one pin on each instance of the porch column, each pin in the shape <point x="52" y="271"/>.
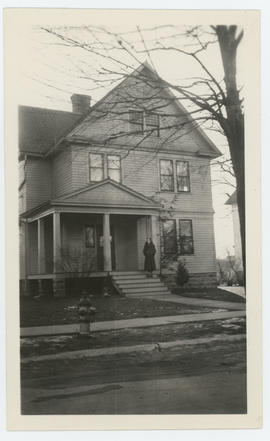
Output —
<point x="41" y="246"/>
<point x="155" y="236"/>
<point x="107" y="243"/>
<point x="56" y="241"/>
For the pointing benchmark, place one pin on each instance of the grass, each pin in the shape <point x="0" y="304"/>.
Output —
<point x="209" y="293"/>
<point x="56" y="344"/>
<point x="46" y="311"/>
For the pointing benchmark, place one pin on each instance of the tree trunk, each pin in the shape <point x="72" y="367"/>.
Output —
<point x="234" y="124"/>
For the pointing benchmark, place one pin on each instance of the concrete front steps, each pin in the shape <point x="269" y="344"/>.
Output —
<point x="137" y="284"/>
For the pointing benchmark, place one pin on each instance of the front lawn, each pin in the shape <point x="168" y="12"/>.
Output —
<point x="209" y="294"/>
<point x="46" y="311"/>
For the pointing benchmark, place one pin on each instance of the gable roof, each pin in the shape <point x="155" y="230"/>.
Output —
<point x="108" y="193"/>
<point x="40" y="129"/>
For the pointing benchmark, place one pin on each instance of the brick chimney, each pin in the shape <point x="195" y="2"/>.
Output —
<point x="80" y="103"/>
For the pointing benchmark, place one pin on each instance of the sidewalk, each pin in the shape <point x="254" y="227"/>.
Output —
<point x="197" y="302"/>
<point x="131" y="323"/>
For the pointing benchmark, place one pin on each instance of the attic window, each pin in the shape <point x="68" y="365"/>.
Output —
<point x="152" y="123"/>
<point x="136" y="121"/>
<point x="140" y="122"/>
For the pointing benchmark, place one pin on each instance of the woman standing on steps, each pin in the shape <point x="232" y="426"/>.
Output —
<point x="149" y="251"/>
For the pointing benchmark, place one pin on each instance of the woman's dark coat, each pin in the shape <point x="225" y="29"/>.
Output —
<point x="149" y="250"/>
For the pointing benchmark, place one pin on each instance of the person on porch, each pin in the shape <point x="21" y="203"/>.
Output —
<point x="149" y="251"/>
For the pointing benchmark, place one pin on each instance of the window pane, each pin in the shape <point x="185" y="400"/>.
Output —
<point x="114" y="161"/>
<point x="96" y="174"/>
<point x="151" y="119"/>
<point x="166" y="183"/>
<point x="136" y="117"/>
<point x="182" y="183"/>
<point x="182" y="168"/>
<point x="114" y="174"/>
<point x="95" y="160"/>
<point x="182" y="175"/>
<point x="185" y="228"/>
<point x="166" y="167"/>
<point x="169" y="236"/>
<point x="187" y="245"/>
<point x="186" y="237"/>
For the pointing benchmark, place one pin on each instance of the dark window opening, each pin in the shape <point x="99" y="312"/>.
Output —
<point x="169" y="237"/>
<point x="186" y="237"/>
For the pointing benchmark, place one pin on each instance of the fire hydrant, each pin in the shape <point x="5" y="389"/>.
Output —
<point x="86" y="314"/>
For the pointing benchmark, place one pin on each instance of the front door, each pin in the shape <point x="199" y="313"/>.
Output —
<point x="100" y="258"/>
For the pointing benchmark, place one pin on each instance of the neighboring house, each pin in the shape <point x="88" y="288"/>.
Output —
<point x="95" y="182"/>
<point x="232" y="201"/>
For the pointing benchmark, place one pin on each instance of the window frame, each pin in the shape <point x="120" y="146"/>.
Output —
<point x="98" y="168"/>
<point x="108" y="168"/>
<point x="157" y="129"/>
<point x="187" y="176"/>
<point x="160" y="175"/>
<point x="132" y="124"/>
<point x="175" y="251"/>
<point x="180" y="237"/>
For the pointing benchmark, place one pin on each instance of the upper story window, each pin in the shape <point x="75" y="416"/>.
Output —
<point x="166" y="175"/>
<point x="144" y="122"/>
<point x="96" y="165"/>
<point x="186" y="236"/>
<point x="174" y="176"/>
<point x="182" y="176"/>
<point x="102" y="166"/>
<point x="114" y="167"/>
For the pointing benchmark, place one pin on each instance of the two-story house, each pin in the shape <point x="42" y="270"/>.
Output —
<point x="97" y="181"/>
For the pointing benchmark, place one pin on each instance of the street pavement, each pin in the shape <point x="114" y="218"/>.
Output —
<point x="200" y="379"/>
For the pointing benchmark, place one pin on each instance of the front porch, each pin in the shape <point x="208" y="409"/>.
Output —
<point x="64" y="245"/>
<point x="89" y="233"/>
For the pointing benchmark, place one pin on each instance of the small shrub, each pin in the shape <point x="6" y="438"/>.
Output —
<point x="182" y="274"/>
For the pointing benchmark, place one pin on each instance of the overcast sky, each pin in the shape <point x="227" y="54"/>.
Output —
<point x="48" y="74"/>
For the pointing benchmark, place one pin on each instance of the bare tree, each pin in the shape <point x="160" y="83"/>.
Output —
<point x="211" y="100"/>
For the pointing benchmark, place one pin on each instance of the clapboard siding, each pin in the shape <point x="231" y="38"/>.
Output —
<point x="62" y="173"/>
<point x="38" y="181"/>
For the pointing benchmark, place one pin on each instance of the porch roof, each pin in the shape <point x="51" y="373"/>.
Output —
<point x="105" y="196"/>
